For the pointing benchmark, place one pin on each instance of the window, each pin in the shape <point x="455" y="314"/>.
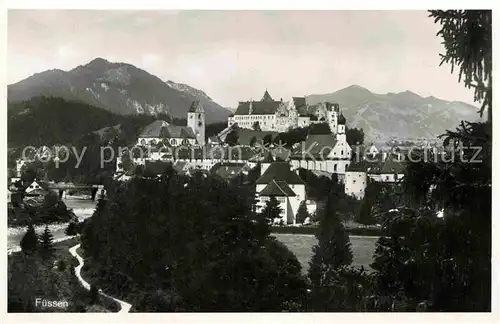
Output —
<point x="173" y="142"/>
<point x="199" y="116"/>
<point x="353" y="181"/>
<point x="334" y="167"/>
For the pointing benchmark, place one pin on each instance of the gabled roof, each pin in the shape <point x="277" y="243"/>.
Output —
<point x="215" y="152"/>
<point x="267" y="97"/>
<point x="229" y="170"/>
<point x="258" y="107"/>
<point x="390" y="165"/>
<point x="360" y="166"/>
<point x="317" y="146"/>
<point x="278" y="189"/>
<point x="162" y="129"/>
<point x="245" y="136"/>
<point x="279" y="171"/>
<point x="37" y="192"/>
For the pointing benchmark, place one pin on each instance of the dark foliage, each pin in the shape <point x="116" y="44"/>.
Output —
<point x="302" y="212"/>
<point x="355" y="136"/>
<point x="29" y="242"/>
<point x="46" y="244"/>
<point x="232" y="138"/>
<point x="211" y="251"/>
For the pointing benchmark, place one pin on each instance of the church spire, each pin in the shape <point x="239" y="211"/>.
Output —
<point x="267" y="97"/>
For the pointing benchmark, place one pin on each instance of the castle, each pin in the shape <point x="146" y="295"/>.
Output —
<point x="281" y="116"/>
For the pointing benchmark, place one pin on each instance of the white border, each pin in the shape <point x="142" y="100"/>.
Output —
<point x="250" y="317"/>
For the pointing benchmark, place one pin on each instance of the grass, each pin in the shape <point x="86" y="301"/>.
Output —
<point x="362" y="248"/>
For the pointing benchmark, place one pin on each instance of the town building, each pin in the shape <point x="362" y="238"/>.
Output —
<point x="279" y="181"/>
<point x="384" y="167"/>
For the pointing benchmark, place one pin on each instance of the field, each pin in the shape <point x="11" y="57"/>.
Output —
<point x="362" y="248"/>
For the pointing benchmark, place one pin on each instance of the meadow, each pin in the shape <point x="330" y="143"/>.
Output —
<point x="300" y="244"/>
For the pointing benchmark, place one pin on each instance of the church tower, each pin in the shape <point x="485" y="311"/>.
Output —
<point x="196" y="120"/>
<point x="341" y="135"/>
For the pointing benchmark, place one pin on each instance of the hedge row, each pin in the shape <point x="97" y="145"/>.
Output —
<point x="311" y="230"/>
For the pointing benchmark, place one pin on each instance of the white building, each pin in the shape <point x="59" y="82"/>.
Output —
<point x="281" y="116"/>
<point x="286" y="186"/>
<point x="329" y="152"/>
<point x="383" y="168"/>
<point x="161" y="131"/>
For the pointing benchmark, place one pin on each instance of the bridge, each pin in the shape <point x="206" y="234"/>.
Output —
<point x="63" y="188"/>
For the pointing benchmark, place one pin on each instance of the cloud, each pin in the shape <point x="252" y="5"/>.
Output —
<point x="151" y="60"/>
<point x="66" y="52"/>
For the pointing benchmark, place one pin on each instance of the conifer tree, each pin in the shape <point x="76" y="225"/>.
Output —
<point x="302" y="212"/>
<point x="330" y="255"/>
<point x="29" y="243"/>
<point x="47" y="243"/>
<point x="272" y="210"/>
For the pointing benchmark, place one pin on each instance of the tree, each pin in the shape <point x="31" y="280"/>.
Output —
<point x="232" y="138"/>
<point x="468" y="44"/>
<point x="47" y="243"/>
<point x="268" y="139"/>
<point x="366" y="216"/>
<point x="355" y="136"/>
<point x="253" y="140"/>
<point x="209" y="239"/>
<point x="271" y="212"/>
<point x="93" y="295"/>
<point x="332" y="252"/>
<point x="319" y="129"/>
<point x="256" y="126"/>
<point x="71" y="230"/>
<point x="446" y="262"/>
<point x="29" y="242"/>
<point x="302" y="212"/>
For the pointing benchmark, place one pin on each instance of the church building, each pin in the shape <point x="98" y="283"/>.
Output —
<point x="161" y="131"/>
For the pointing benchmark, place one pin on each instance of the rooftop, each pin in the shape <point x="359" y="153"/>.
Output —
<point x="278" y="189"/>
<point x="279" y="171"/>
<point x="162" y="129"/>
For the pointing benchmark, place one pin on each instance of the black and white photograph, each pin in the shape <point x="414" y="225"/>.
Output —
<point x="249" y="161"/>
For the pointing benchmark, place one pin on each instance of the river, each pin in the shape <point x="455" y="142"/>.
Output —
<point x="83" y="208"/>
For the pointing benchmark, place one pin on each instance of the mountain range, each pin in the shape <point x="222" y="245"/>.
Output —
<point x="397" y="115"/>
<point x="124" y="89"/>
<point x="118" y="87"/>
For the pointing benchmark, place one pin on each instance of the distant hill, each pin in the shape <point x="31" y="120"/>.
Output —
<point x="401" y="115"/>
<point x="49" y="121"/>
<point x="120" y="88"/>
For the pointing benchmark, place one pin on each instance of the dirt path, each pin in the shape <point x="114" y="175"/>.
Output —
<point x="124" y="307"/>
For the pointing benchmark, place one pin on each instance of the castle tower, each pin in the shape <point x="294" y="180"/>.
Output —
<point x="333" y="111"/>
<point x="196" y="120"/>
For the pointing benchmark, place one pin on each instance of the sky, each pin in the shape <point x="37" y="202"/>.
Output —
<point x="236" y="55"/>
